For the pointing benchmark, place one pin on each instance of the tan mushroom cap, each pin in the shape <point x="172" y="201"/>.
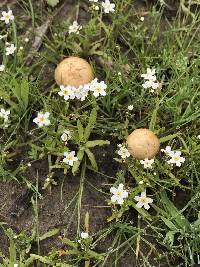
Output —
<point x="143" y="143"/>
<point x="73" y="71"/>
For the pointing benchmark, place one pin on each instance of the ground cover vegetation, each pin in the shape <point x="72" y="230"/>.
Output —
<point x="74" y="192"/>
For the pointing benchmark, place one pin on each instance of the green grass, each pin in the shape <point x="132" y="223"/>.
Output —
<point x="120" y="48"/>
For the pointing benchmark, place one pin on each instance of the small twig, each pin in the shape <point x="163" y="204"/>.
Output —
<point x="39" y="34"/>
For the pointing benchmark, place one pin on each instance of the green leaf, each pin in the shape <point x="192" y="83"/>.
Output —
<point x="91" y="122"/>
<point x="170" y="237"/>
<point x="91" y="158"/>
<point x="41" y="259"/>
<point x="97" y="143"/>
<point x="12" y="250"/>
<point x="76" y="165"/>
<point x="142" y="212"/>
<point x="21" y="92"/>
<point x="49" y="234"/>
<point x="80" y="130"/>
<point x="25" y="93"/>
<point x="154" y="117"/>
<point x="173" y="213"/>
<point x="67" y="241"/>
<point x="168" y="138"/>
<point x="29" y="262"/>
<point x="169" y="223"/>
<point x="53" y="3"/>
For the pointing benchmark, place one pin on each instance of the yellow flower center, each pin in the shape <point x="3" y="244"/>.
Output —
<point x="69" y="157"/>
<point x="66" y="92"/>
<point x="41" y="119"/>
<point x="176" y="158"/>
<point x="143" y="200"/>
<point x="98" y="89"/>
<point x="119" y="194"/>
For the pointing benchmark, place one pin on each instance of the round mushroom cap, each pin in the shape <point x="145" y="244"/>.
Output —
<point x="73" y="71"/>
<point x="143" y="143"/>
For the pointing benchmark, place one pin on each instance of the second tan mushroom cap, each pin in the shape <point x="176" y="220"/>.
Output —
<point x="143" y="143"/>
<point x="74" y="71"/>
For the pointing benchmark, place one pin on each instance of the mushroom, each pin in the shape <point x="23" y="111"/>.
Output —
<point x="73" y="71"/>
<point x="143" y="143"/>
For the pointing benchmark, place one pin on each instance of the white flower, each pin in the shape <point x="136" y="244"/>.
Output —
<point x="84" y="235"/>
<point x="42" y="119"/>
<point x="66" y="135"/>
<point x="119" y="194"/>
<point x="4" y="114"/>
<point x="143" y="200"/>
<point x="123" y="152"/>
<point x="147" y="163"/>
<point x="176" y="158"/>
<point x="70" y="158"/>
<point x="142" y="18"/>
<point x="130" y="107"/>
<point x="82" y="92"/>
<point x="108" y="7"/>
<point x="167" y="150"/>
<point x="67" y="92"/>
<point x="7" y="16"/>
<point x="74" y="28"/>
<point x="15" y="265"/>
<point x="96" y="7"/>
<point x="150" y="84"/>
<point x="198" y="136"/>
<point x="150" y="80"/>
<point x="94" y="1"/>
<point x="2" y="67"/>
<point x="150" y="75"/>
<point x="21" y="48"/>
<point x="98" y="88"/>
<point x="10" y="49"/>
<point x="26" y="40"/>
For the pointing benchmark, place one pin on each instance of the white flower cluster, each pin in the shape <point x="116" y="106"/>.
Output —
<point x="4" y="114"/>
<point x="130" y="107"/>
<point x="143" y="201"/>
<point x="150" y="80"/>
<point x="84" y="235"/>
<point x="174" y="156"/>
<point x="7" y="16"/>
<point x="106" y="5"/>
<point x="10" y="49"/>
<point x="147" y="163"/>
<point x="119" y="194"/>
<point x="123" y="152"/>
<point x="66" y="136"/>
<point x="2" y="67"/>
<point x="74" y="28"/>
<point x="70" y="92"/>
<point x="42" y="119"/>
<point x="69" y="158"/>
